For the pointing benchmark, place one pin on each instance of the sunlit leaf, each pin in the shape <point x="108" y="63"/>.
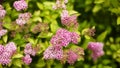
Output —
<point x="118" y="21"/>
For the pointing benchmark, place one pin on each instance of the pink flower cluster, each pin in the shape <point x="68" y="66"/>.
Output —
<point x="53" y="52"/>
<point x="68" y="20"/>
<point x="23" y="18"/>
<point x="7" y="52"/>
<point x="71" y="56"/>
<point x="20" y="5"/>
<point x="2" y="32"/>
<point x="2" y="12"/>
<point x="97" y="49"/>
<point x="29" y="50"/>
<point x="64" y="37"/>
<point x="27" y="59"/>
<point x="60" y="4"/>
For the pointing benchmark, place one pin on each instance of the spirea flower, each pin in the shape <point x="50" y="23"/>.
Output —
<point x="2" y="12"/>
<point x="4" y="59"/>
<point x="68" y="20"/>
<point x="65" y="1"/>
<point x="7" y="52"/>
<point x="40" y="27"/>
<point x="72" y="57"/>
<point x="1" y="7"/>
<point x="60" y="4"/>
<point x="3" y="32"/>
<point x="23" y="18"/>
<point x="97" y="49"/>
<point x="30" y="50"/>
<point x="20" y="5"/>
<point x="11" y="47"/>
<point x="26" y="16"/>
<point x="96" y="55"/>
<point x="20" y="22"/>
<point x="53" y="52"/>
<point x="62" y="38"/>
<point x="1" y="49"/>
<point x="74" y="37"/>
<point x="27" y="59"/>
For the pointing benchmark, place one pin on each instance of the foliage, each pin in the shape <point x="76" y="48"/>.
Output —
<point x="103" y="15"/>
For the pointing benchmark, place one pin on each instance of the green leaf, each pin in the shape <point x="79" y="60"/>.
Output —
<point x="40" y="6"/>
<point x="45" y="35"/>
<point x="54" y="26"/>
<point x="5" y="38"/>
<point x="99" y="1"/>
<point x="118" y="20"/>
<point x="17" y="56"/>
<point x="17" y="62"/>
<point x="36" y="19"/>
<point x="87" y="37"/>
<point x="40" y="64"/>
<point x="102" y="36"/>
<point x="31" y="40"/>
<point x="96" y="8"/>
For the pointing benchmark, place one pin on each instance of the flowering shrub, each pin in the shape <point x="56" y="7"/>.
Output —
<point x="60" y="33"/>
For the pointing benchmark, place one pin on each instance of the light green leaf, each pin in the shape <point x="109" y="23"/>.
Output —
<point x="102" y="36"/>
<point x="31" y="40"/>
<point x="17" y="62"/>
<point x="5" y="38"/>
<point x="40" y="6"/>
<point x="45" y="35"/>
<point x="96" y="8"/>
<point x="118" y="21"/>
<point x="17" y="56"/>
<point x="99" y="1"/>
<point x="54" y="26"/>
<point x="40" y="64"/>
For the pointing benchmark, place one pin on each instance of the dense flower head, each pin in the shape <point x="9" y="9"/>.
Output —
<point x="65" y="1"/>
<point x="1" y="7"/>
<point x="75" y="37"/>
<point x="20" y="5"/>
<point x="62" y="38"/>
<point x="2" y="12"/>
<point x="20" y="21"/>
<point x="6" y="52"/>
<point x="27" y="59"/>
<point x="65" y="17"/>
<point x="1" y="49"/>
<point x="11" y="47"/>
<point x="4" y="60"/>
<point x="72" y="57"/>
<point x="26" y="16"/>
<point x="68" y="20"/>
<point x="29" y="49"/>
<point x="96" y="48"/>
<point x="96" y="55"/>
<point x="60" y="4"/>
<point x="53" y="52"/>
<point x="23" y="18"/>
<point x="3" y="32"/>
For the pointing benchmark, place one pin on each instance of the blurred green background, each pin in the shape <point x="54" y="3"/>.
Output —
<point x="103" y="14"/>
